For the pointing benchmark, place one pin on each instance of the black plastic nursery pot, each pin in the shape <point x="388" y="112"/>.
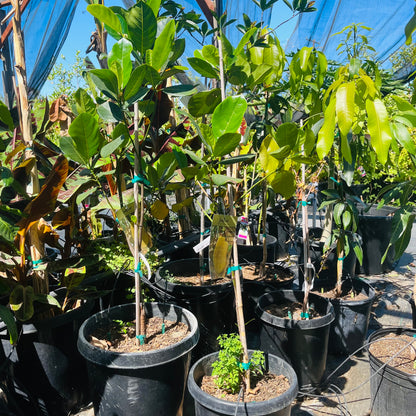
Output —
<point x="393" y="392"/>
<point x="413" y="306"/>
<point x="349" y="328"/>
<point x="303" y="343"/>
<point x="207" y="405"/>
<point x="375" y="228"/>
<point x="329" y="271"/>
<point x="254" y="253"/>
<point x="143" y="383"/>
<point x="50" y="376"/>
<point x="213" y="305"/>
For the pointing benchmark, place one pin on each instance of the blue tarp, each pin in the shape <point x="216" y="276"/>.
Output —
<point x="386" y="18"/>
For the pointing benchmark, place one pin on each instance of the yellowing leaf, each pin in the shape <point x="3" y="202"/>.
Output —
<point x="159" y="210"/>
<point x="326" y="134"/>
<point x="345" y="106"/>
<point x="379" y="128"/>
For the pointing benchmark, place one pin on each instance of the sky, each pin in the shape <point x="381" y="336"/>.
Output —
<point x="83" y="26"/>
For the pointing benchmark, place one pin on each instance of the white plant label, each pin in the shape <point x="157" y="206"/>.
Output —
<point x="204" y="243"/>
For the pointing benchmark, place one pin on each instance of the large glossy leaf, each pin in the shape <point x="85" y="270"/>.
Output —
<point x="268" y="163"/>
<point x="45" y="201"/>
<point x="228" y="116"/>
<point x="86" y="140"/>
<point x="211" y="54"/>
<point x="284" y="183"/>
<point x="326" y="133"/>
<point x="110" y="112"/>
<point x="111" y="147"/>
<point x="204" y="102"/>
<point x="142" y="25"/>
<point x="379" y="128"/>
<point x="7" y="317"/>
<point x="21" y="302"/>
<point x="345" y="106"/>
<point x="154" y="5"/>
<point x="287" y="134"/>
<point x="181" y="90"/>
<point x="304" y="57"/>
<point x="402" y="135"/>
<point x="5" y="116"/>
<point x="119" y="60"/>
<point x="106" y="81"/>
<point x="220" y="180"/>
<point x="163" y="46"/>
<point x="105" y="15"/>
<point x="204" y="68"/>
<point x="83" y="101"/>
<point x="226" y="144"/>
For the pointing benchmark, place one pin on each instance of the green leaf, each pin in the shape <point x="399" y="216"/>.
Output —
<point x="7" y="317"/>
<point x="244" y="40"/>
<point x="204" y="68"/>
<point x="287" y="134"/>
<point x="281" y="153"/>
<point x="304" y="56"/>
<point x="204" y="102"/>
<point x="402" y="136"/>
<point x="410" y="28"/>
<point x="345" y="149"/>
<point x="111" y="147"/>
<point x="284" y="183"/>
<point x="5" y="116"/>
<point x="326" y="133"/>
<point x="85" y="139"/>
<point x="164" y="45"/>
<point x="346" y="219"/>
<point x="154" y="5"/>
<point x="193" y="156"/>
<point x="345" y="106"/>
<point x="267" y="162"/>
<point x="338" y="212"/>
<point x="119" y="60"/>
<point x="105" y="15"/>
<point x="21" y="302"/>
<point x="247" y="158"/>
<point x="110" y="112"/>
<point x="211" y="55"/>
<point x="226" y="144"/>
<point x="106" y="81"/>
<point x="180" y="90"/>
<point x="83" y="101"/>
<point x="142" y="25"/>
<point x="228" y="116"/>
<point x="402" y="104"/>
<point x="220" y="180"/>
<point x="379" y="129"/>
<point x="8" y="231"/>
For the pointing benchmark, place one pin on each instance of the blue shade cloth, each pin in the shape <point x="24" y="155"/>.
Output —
<point x="45" y="25"/>
<point x="387" y="20"/>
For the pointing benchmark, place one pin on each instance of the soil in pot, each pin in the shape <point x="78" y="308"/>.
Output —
<point x="393" y="376"/>
<point x="274" y="274"/>
<point x="209" y="405"/>
<point x="120" y="336"/>
<point x="267" y="387"/>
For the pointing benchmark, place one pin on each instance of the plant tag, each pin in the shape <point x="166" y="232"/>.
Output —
<point x="204" y="243"/>
<point x="243" y="230"/>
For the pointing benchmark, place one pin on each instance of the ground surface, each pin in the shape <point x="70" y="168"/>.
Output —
<point x="349" y="391"/>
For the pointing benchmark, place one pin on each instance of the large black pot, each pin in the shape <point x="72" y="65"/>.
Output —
<point x="254" y="253"/>
<point x="146" y="383"/>
<point x="349" y="329"/>
<point x="303" y="343"/>
<point x="213" y="305"/>
<point x="375" y="228"/>
<point x="50" y="376"/>
<point x="207" y="405"/>
<point x="393" y="392"/>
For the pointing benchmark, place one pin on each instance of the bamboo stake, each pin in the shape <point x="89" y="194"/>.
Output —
<point x="138" y="227"/>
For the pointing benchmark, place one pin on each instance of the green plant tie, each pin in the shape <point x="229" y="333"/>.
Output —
<point x="233" y="269"/>
<point x="341" y="258"/>
<point x="333" y="179"/>
<point x="141" y="339"/>
<point x="264" y="235"/>
<point x="138" y="269"/>
<point x="29" y="148"/>
<point x="245" y="366"/>
<point x="304" y="315"/>
<point x="289" y="314"/>
<point x="117" y="221"/>
<point x="163" y="328"/>
<point x="304" y="203"/>
<point x="37" y="263"/>
<point x="205" y="232"/>
<point x="140" y="179"/>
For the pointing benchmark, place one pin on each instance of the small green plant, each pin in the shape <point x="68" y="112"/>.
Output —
<point x="123" y="326"/>
<point x="229" y="370"/>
